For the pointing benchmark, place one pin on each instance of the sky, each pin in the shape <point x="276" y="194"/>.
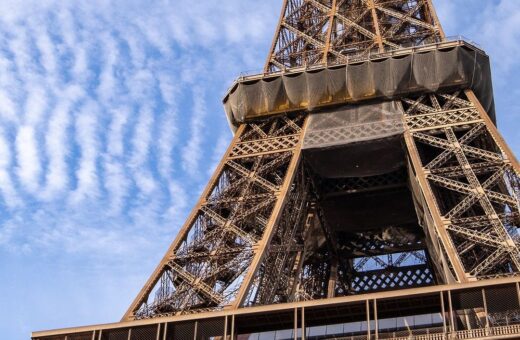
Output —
<point x="111" y="122"/>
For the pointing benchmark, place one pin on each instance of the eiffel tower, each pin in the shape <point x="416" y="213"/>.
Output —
<point x="366" y="194"/>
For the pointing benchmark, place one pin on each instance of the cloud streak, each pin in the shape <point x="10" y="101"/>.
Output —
<point x="114" y="110"/>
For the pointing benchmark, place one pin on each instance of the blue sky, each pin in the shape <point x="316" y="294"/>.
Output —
<point x="111" y="122"/>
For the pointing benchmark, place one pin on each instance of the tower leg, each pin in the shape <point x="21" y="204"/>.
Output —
<point x="468" y="183"/>
<point x="211" y="262"/>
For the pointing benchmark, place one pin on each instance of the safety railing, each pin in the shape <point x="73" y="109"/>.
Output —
<point x="476" y="310"/>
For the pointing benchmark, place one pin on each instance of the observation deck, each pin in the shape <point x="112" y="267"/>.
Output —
<point x="451" y="64"/>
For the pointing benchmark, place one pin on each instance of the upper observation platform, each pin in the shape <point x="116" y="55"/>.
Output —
<point x="452" y="63"/>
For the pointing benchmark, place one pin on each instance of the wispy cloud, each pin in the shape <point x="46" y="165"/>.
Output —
<point x="10" y="196"/>
<point x="112" y="107"/>
<point x="493" y="25"/>
<point x="29" y="168"/>
<point x="192" y="152"/>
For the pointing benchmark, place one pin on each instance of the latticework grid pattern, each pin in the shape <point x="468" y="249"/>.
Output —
<point x="475" y="186"/>
<point x="208" y="263"/>
<point x="329" y="31"/>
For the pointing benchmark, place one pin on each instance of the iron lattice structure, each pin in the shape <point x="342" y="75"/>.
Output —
<point x="314" y="32"/>
<point x="253" y="201"/>
<point x="336" y="194"/>
<point x="261" y="234"/>
<point x="473" y="185"/>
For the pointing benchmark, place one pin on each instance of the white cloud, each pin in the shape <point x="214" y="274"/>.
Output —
<point x="36" y="104"/>
<point x="192" y="152"/>
<point x="88" y="140"/>
<point x="10" y="197"/>
<point x="141" y="144"/>
<point x="29" y="167"/>
<point x="218" y="152"/>
<point x="8" y="109"/>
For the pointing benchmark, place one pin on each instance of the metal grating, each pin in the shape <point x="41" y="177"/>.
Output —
<point x="81" y="336"/>
<point x="210" y="329"/>
<point x="116" y="334"/>
<point x="502" y="298"/>
<point x="181" y="331"/>
<point x="144" y="333"/>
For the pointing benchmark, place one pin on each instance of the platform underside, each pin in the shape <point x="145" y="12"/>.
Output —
<point x="488" y="309"/>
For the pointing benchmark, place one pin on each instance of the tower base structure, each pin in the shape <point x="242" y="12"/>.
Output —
<point x="367" y="194"/>
<point x="374" y="199"/>
<point x="488" y="309"/>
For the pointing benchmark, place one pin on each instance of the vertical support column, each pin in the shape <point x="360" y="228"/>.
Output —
<point x="452" y="316"/>
<point x="333" y="276"/>
<point x="262" y="158"/>
<point x="497" y="136"/>
<point x="276" y="35"/>
<point x="518" y="292"/>
<point x="469" y="181"/>
<point x="433" y="13"/>
<point x="376" y="326"/>
<point x="159" y="270"/>
<point x="225" y="327"/>
<point x="196" y="330"/>
<point x="485" y="309"/>
<point x="332" y="16"/>
<point x="303" y="324"/>
<point x="158" y="335"/>
<point x="443" y="311"/>
<point x="369" y="333"/>
<point x="233" y="327"/>
<point x="262" y="246"/>
<point x="295" y="325"/>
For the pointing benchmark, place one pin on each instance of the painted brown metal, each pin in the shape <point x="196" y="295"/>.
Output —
<point x="264" y="237"/>
<point x="445" y="291"/>
<point x="470" y="163"/>
<point x="210" y="264"/>
<point x="314" y="32"/>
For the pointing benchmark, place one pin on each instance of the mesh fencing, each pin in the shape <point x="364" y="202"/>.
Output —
<point x="461" y="67"/>
<point x="502" y="298"/>
<point x="181" y="331"/>
<point x="144" y="333"/>
<point x="351" y="124"/>
<point x="82" y="336"/>
<point x="210" y="329"/>
<point x="115" y="334"/>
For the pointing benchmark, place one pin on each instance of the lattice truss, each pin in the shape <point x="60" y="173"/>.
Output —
<point x="352" y="185"/>
<point x="314" y="32"/>
<point x="275" y="281"/>
<point x="366" y="262"/>
<point x="207" y="263"/>
<point x="307" y="260"/>
<point x="475" y="186"/>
